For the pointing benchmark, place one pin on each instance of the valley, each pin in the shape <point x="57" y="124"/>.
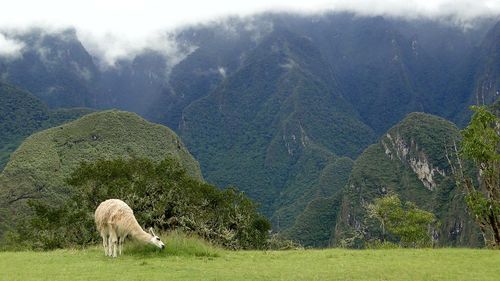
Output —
<point x="311" y="117"/>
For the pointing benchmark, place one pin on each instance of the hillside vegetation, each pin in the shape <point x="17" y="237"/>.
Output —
<point x="38" y="168"/>
<point x="282" y="117"/>
<point x="409" y="161"/>
<point x="161" y="194"/>
<point x="279" y="105"/>
<point x="22" y="114"/>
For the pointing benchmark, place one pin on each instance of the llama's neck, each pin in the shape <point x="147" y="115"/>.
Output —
<point x="138" y="233"/>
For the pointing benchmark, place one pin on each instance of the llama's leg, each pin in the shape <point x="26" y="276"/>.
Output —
<point x="105" y="243"/>
<point x="120" y="245"/>
<point x="114" y="242"/>
<point x="110" y="245"/>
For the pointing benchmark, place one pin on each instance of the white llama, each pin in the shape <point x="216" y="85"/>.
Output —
<point x="115" y="220"/>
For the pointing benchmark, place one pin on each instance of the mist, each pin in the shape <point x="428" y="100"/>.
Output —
<point x="10" y="48"/>
<point x="113" y="30"/>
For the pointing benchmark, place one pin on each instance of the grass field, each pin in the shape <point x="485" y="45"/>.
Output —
<point x="187" y="259"/>
<point x="447" y="264"/>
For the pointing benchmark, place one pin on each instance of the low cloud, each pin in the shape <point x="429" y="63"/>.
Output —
<point x="111" y="48"/>
<point x="120" y="29"/>
<point x="10" y="48"/>
<point x="456" y="11"/>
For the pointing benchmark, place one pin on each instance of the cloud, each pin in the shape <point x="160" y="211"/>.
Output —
<point x="115" y="29"/>
<point x="460" y="11"/>
<point x="10" y="48"/>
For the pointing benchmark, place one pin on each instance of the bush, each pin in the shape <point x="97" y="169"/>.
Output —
<point x="277" y="242"/>
<point x="404" y="220"/>
<point x="162" y="195"/>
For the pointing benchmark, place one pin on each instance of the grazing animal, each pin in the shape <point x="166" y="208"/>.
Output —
<point x="115" y="220"/>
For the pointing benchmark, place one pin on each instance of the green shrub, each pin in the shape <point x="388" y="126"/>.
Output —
<point x="404" y="220"/>
<point x="277" y="242"/>
<point x="162" y="195"/>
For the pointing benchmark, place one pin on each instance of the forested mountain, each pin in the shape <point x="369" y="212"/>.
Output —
<point x="279" y="116"/>
<point x="487" y="79"/>
<point x="38" y="168"/>
<point x="409" y="160"/>
<point x="22" y="114"/>
<point x="55" y="67"/>
<point x="282" y="105"/>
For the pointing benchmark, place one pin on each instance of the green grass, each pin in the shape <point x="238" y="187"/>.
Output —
<point x="331" y="264"/>
<point x="177" y="244"/>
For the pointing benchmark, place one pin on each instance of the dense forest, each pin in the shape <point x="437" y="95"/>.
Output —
<point x="311" y="117"/>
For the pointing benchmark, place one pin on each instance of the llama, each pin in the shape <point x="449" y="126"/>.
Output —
<point x="115" y="220"/>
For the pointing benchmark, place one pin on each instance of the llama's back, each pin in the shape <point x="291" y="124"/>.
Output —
<point x="116" y="214"/>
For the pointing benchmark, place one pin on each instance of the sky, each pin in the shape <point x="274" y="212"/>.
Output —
<point x="115" y="28"/>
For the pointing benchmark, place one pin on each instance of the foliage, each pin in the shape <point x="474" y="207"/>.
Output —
<point x="314" y="226"/>
<point x="390" y="166"/>
<point x="241" y="100"/>
<point x="338" y="79"/>
<point x="37" y="169"/>
<point x="275" y="127"/>
<point x="22" y="114"/>
<point x="481" y="144"/>
<point x="418" y="142"/>
<point x="161" y="194"/>
<point x="278" y="242"/>
<point x="404" y="220"/>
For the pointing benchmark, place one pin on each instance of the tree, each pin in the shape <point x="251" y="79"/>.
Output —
<point x="386" y="210"/>
<point x="161" y="194"/>
<point x="481" y="144"/>
<point x="410" y="224"/>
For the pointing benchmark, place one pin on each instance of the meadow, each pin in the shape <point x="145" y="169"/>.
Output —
<point x="191" y="259"/>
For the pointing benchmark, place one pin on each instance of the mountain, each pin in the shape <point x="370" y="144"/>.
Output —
<point x="388" y="67"/>
<point x="37" y="169"/>
<point x="392" y="67"/>
<point x="410" y="161"/>
<point x="313" y="226"/>
<point x="280" y="116"/>
<point x="487" y="80"/>
<point x="212" y="53"/>
<point x="55" y="67"/>
<point x="22" y="114"/>
<point x="279" y="105"/>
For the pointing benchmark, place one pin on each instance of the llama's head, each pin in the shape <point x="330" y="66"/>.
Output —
<point x="155" y="240"/>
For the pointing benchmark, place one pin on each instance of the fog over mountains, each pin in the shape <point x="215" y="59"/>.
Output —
<point x="121" y="29"/>
<point x="282" y="105"/>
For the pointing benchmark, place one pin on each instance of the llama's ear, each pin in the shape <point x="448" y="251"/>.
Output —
<point x="151" y="231"/>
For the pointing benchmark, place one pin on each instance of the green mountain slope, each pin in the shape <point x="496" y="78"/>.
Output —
<point x="313" y="226"/>
<point x="54" y="67"/>
<point x="22" y="114"/>
<point x="409" y="160"/>
<point x="487" y="80"/>
<point x="274" y="125"/>
<point x="39" y="166"/>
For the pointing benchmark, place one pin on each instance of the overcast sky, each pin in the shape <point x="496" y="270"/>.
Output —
<point x="127" y="24"/>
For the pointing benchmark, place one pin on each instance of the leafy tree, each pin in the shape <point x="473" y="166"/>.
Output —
<point x="386" y="210"/>
<point x="162" y="195"/>
<point x="403" y="220"/>
<point x="481" y="145"/>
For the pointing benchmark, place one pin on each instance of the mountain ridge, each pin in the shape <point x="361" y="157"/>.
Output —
<point x="38" y="168"/>
<point x="274" y="103"/>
